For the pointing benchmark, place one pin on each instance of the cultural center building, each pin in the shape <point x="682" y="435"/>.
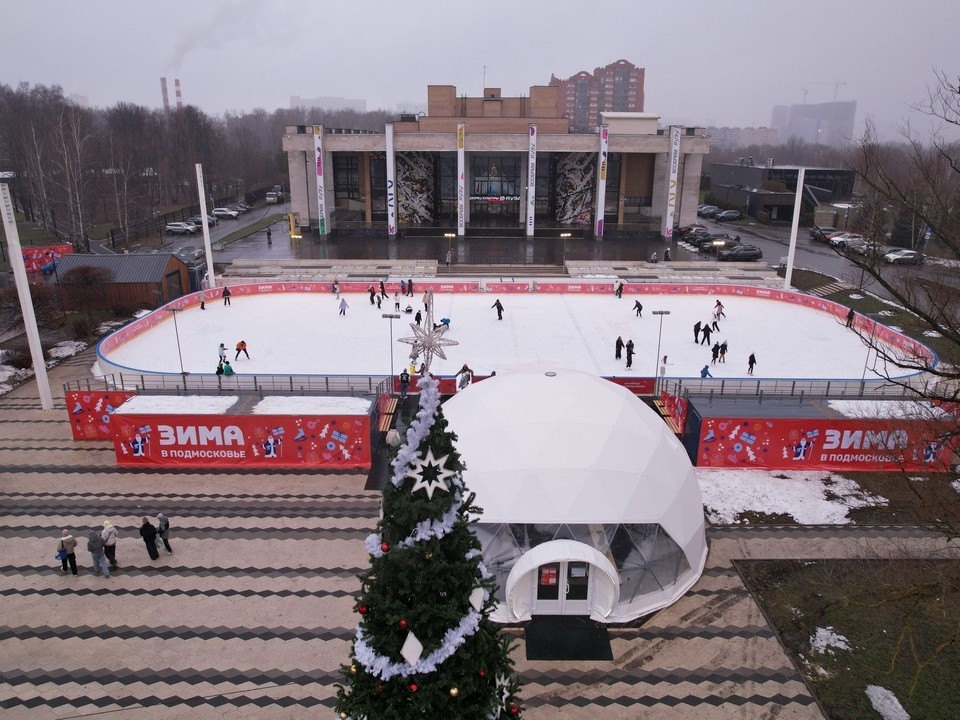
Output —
<point x="511" y="164"/>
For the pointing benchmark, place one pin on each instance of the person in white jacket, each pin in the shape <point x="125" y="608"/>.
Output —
<point x="110" y="535"/>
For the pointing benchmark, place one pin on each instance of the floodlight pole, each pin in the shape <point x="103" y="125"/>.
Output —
<point x="391" y="317"/>
<point x="656" y="374"/>
<point x="797" y="205"/>
<point x="176" y="330"/>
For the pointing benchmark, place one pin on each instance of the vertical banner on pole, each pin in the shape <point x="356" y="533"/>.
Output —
<point x="207" y="250"/>
<point x="321" y="200"/>
<point x="531" y="179"/>
<point x="461" y="181"/>
<point x="391" y="185"/>
<point x="602" y="179"/>
<point x="669" y="216"/>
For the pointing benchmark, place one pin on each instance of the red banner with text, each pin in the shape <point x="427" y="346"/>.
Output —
<point x="249" y="441"/>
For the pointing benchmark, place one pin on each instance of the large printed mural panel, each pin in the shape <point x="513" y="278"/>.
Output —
<point x="415" y="186"/>
<point x="575" y="189"/>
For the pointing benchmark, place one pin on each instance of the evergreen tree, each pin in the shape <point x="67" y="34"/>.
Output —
<point x="425" y="646"/>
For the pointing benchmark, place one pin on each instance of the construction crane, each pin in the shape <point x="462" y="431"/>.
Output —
<point x="836" y="87"/>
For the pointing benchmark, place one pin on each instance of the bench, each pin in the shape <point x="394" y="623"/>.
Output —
<point x="386" y="414"/>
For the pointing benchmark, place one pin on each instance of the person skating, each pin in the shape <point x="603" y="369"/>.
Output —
<point x="383" y="289"/>
<point x="109" y="535"/>
<point x="850" y="317"/>
<point x="618" y="289"/>
<point x="696" y="332"/>
<point x="723" y="351"/>
<point x="202" y="297"/>
<point x="241" y="348"/>
<point x="403" y="288"/>
<point x="226" y="295"/>
<point x="149" y="534"/>
<point x="705" y="372"/>
<point x="499" y="306"/>
<point x="629" y="348"/>
<point x="67" y="546"/>
<point x="336" y="288"/>
<point x="418" y="317"/>
<point x="373" y="294"/>
<point x="714" y="325"/>
<point x="343" y="306"/>
<point x="638" y="307"/>
<point x="396" y="302"/>
<point x="410" y="287"/>
<point x="706" y="334"/>
<point x="163" y="531"/>
<point x="618" y="348"/>
<point x="379" y="300"/>
<point x="718" y="309"/>
<point x="715" y="352"/>
<point x="751" y="361"/>
<point x="222" y="352"/>
<point x="426" y="301"/>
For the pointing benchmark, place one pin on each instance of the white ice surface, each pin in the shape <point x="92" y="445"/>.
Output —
<point x="177" y="404"/>
<point x="311" y="405"/>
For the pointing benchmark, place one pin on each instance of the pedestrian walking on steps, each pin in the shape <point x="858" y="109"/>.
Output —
<point x="109" y="535"/>
<point x="97" y="556"/>
<point x="66" y="550"/>
<point x="638" y="307"/>
<point x="499" y="307"/>
<point x="618" y="348"/>
<point x="751" y="361"/>
<point x="163" y="531"/>
<point x="149" y="534"/>
<point x="343" y="306"/>
<point x="629" y="349"/>
<point x="666" y="254"/>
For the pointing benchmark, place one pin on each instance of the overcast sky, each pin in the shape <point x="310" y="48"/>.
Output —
<point x="707" y="62"/>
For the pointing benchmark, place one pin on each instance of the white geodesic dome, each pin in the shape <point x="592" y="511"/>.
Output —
<point x="569" y="466"/>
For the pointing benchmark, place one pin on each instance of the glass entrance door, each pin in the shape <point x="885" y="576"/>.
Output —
<point x="563" y="588"/>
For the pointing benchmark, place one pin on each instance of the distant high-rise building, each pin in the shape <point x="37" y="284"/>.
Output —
<point x="828" y="124"/>
<point x="731" y="138"/>
<point x="328" y="103"/>
<point x="617" y="87"/>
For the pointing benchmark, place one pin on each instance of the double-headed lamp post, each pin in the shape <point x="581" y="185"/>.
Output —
<point x="391" y="317"/>
<point x="656" y="373"/>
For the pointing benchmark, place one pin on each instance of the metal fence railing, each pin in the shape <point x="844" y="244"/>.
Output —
<point x="901" y="388"/>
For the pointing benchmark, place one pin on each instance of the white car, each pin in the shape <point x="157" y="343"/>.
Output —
<point x="843" y="239"/>
<point x="181" y="228"/>
<point x="225" y="213"/>
<point x="904" y="257"/>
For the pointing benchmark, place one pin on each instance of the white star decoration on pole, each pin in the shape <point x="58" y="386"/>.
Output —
<point x="427" y="340"/>
<point x="437" y="483"/>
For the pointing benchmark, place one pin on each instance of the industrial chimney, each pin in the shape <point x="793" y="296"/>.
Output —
<point x="163" y="91"/>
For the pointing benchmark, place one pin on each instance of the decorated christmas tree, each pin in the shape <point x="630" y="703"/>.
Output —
<point x="425" y="647"/>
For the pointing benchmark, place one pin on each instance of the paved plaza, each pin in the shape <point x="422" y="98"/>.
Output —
<point x="252" y="615"/>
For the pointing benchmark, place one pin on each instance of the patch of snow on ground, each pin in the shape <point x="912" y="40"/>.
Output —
<point x="177" y="405"/>
<point x="319" y="405"/>
<point x="956" y="486"/>
<point x="883" y="409"/>
<point x="65" y="349"/>
<point x="801" y="495"/>
<point x="932" y="333"/>
<point x="886" y="703"/>
<point x="855" y="296"/>
<point x="825" y="639"/>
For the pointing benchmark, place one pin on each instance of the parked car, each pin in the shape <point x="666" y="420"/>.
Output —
<point x="198" y="221"/>
<point x="904" y="257"/>
<point x="243" y="205"/>
<point x="687" y="229"/>
<point x="712" y="247"/>
<point x="727" y="215"/>
<point x="740" y="253"/>
<point x="180" y="228"/>
<point x="843" y="239"/>
<point x="822" y="233"/>
<point x="189" y="254"/>
<point x="708" y="211"/>
<point x="238" y="208"/>
<point x="225" y="213"/>
<point x="711" y="238"/>
<point x="696" y="235"/>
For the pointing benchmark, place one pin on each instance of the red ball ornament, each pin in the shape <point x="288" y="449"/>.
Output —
<point x="403" y="624"/>
<point x="514" y="709"/>
<point x="378" y="689"/>
<point x="483" y="673"/>
<point x="384" y="547"/>
<point x="362" y="609"/>
<point x="413" y="687"/>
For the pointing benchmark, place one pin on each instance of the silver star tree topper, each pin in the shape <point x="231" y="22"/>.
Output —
<point x="428" y="340"/>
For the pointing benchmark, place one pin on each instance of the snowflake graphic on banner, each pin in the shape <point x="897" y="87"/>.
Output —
<point x="428" y="340"/>
<point x="435" y="465"/>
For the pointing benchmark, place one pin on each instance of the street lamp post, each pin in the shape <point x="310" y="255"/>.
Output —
<point x="391" y="317"/>
<point x="656" y="373"/>
<point x="176" y="331"/>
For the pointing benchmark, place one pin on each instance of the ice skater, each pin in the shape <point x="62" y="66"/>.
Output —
<point x="638" y="307"/>
<point x="417" y="318"/>
<point x="396" y="302"/>
<point x="499" y="307"/>
<point x="663" y="366"/>
<point x="629" y="348"/>
<point x="723" y="351"/>
<point x="226" y="295"/>
<point x="705" y="372"/>
<point x="383" y="289"/>
<point x="706" y="334"/>
<point x="714" y="325"/>
<point x="618" y="348"/>
<point x="343" y="306"/>
<point x="379" y="300"/>
<point x="715" y="352"/>
<point x="696" y="332"/>
<point x="373" y="294"/>
<point x="409" y="287"/>
<point x="336" y="288"/>
<point x="751" y="361"/>
<point x="241" y="348"/>
<point x="403" y="288"/>
<point x="427" y="297"/>
<point x="618" y="289"/>
<point x="850" y="317"/>
<point x="222" y="352"/>
<point x="202" y="297"/>
<point x="718" y="309"/>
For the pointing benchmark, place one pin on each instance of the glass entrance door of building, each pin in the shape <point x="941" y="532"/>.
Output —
<point x="563" y="588"/>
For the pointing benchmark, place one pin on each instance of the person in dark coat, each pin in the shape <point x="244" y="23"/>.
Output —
<point x="404" y="383"/>
<point x="618" y="290"/>
<point x="226" y="295"/>
<point x="706" y="335"/>
<point x="373" y="294"/>
<point x="715" y="351"/>
<point x="751" y="361"/>
<point x="723" y="351"/>
<point x="696" y="331"/>
<point x="617" y="348"/>
<point x="705" y="372"/>
<point x="163" y="530"/>
<point x="499" y="306"/>
<point x="666" y="254"/>
<point x="638" y="307"/>
<point x="410" y="287"/>
<point x="850" y="316"/>
<point x="149" y="534"/>
<point x="629" y="348"/>
<point x="418" y="317"/>
<point x="383" y="289"/>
